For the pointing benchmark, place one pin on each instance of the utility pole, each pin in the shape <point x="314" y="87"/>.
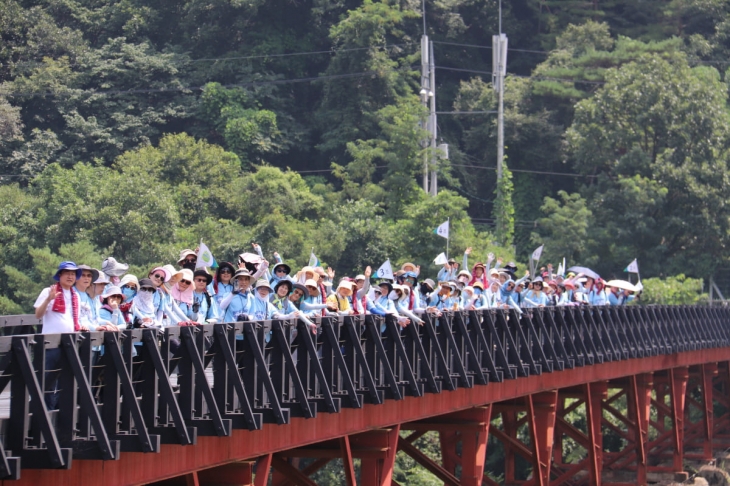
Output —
<point x="499" y="71"/>
<point x="432" y="119"/>
<point x="425" y="93"/>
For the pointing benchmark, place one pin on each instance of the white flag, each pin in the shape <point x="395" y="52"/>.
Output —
<point x="441" y="259"/>
<point x="385" y="271"/>
<point x="205" y="257"/>
<point x="443" y="229"/>
<point x="560" y="269"/>
<point x="537" y="253"/>
<point x="313" y="260"/>
<point x="633" y="267"/>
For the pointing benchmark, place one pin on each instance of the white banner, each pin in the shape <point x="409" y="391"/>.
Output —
<point x="205" y="257"/>
<point x="537" y="253"/>
<point x="385" y="271"/>
<point x="443" y="229"/>
<point x="440" y="259"/>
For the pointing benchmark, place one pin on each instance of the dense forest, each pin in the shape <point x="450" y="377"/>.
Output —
<point x="135" y="128"/>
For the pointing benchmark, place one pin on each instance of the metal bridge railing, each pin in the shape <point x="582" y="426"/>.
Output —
<point x="132" y="390"/>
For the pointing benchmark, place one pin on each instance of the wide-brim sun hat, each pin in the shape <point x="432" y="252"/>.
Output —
<point x="311" y="283"/>
<point x="186" y="253"/>
<point x="387" y="284"/>
<point x="300" y="287"/>
<point x="67" y="266"/>
<point x="161" y="270"/>
<point x="129" y="279"/>
<point x="102" y="279"/>
<point x="203" y="273"/>
<point x="345" y="285"/>
<point x="94" y="271"/>
<point x="113" y="268"/>
<point x="263" y="284"/>
<point x="286" y="267"/>
<point x="112" y="290"/>
<point x="242" y="273"/>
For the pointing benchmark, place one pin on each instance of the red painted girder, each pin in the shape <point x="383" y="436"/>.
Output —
<point x="174" y="460"/>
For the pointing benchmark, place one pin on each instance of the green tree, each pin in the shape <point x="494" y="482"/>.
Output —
<point x="676" y="290"/>
<point x="388" y="166"/>
<point x="658" y="130"/>
<point x="564" y="229"/>
<point x="347" y="104"/>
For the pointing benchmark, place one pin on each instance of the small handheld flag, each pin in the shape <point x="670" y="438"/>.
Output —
<point x="313" y="260"/>
<point x="385" y="271"/>
<point x="537" y="253"/>
<point x="205" y="257"/>
<point x="443" y="229"/>
<point x="440" y="259"/>
<point x="633" y="267"/>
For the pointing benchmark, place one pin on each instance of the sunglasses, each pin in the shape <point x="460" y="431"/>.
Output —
<point x="147" y="289"/>
<point x="157" y="275"/>
<point x="201" y="280"/>
<point x="129" y="287"/>
<point x="191" y="260"/>
<point x="297" y="292"/>
<point x="225" y="270"/>
<point x="186" y="282"/>
<point x="280" y="270"/>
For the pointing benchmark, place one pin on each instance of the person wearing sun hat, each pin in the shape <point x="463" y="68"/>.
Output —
<point x="261" y="308"/>
<point x="223" y="281"/>
<point x="279" y="272"/>
<point x="238" y="302"/>
<point x="340" y="298"/>
<point x="144" y="307"/>
<point x="88" y="313"/>
<point x="401" y="303"/>
<point x="58" y="307"/>
<point x="182" y="293"/>
<point x="110" y="312"/>
<point x="204" y="309"/>
<point x="113" y="269"/>
<point x="167" y="313"/>
<point x="188" y="259"/>
<point x="313" y="304"/>
<point x="441" y="299"/>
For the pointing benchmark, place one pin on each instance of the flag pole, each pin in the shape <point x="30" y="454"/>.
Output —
<point x="448" y="235"/>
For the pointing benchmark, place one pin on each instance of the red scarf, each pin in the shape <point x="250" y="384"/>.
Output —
<point x="59" y="304"/>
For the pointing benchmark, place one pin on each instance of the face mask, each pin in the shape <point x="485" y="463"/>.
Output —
<point x="128" y="293"/>
<point x="393" y="295"/>
<point x="189" y="265"/>
<point x="477" y="291"/>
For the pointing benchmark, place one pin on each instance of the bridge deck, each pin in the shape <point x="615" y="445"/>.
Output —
<point x="439" y="368"/>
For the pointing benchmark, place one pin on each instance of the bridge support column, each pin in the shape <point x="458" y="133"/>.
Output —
<point x="594" y="395"/>
<point x="378" y="472"/>
<point x="709" y="371"/>
<point x="542" y="409"/>
<point x="639" y="405"/>
<point x="678" y="382"/>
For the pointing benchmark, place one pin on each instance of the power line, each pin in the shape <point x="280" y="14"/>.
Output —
<point x="72" y="92"/>
<point x="490" y="47"/>
<point x="526" y="171"/>
<point x="539" y="78"/>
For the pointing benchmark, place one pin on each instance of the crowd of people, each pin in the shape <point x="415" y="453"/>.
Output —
<point x="109" y="299"/>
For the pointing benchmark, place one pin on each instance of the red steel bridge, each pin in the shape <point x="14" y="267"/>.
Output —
<point x="636" y="391"/>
